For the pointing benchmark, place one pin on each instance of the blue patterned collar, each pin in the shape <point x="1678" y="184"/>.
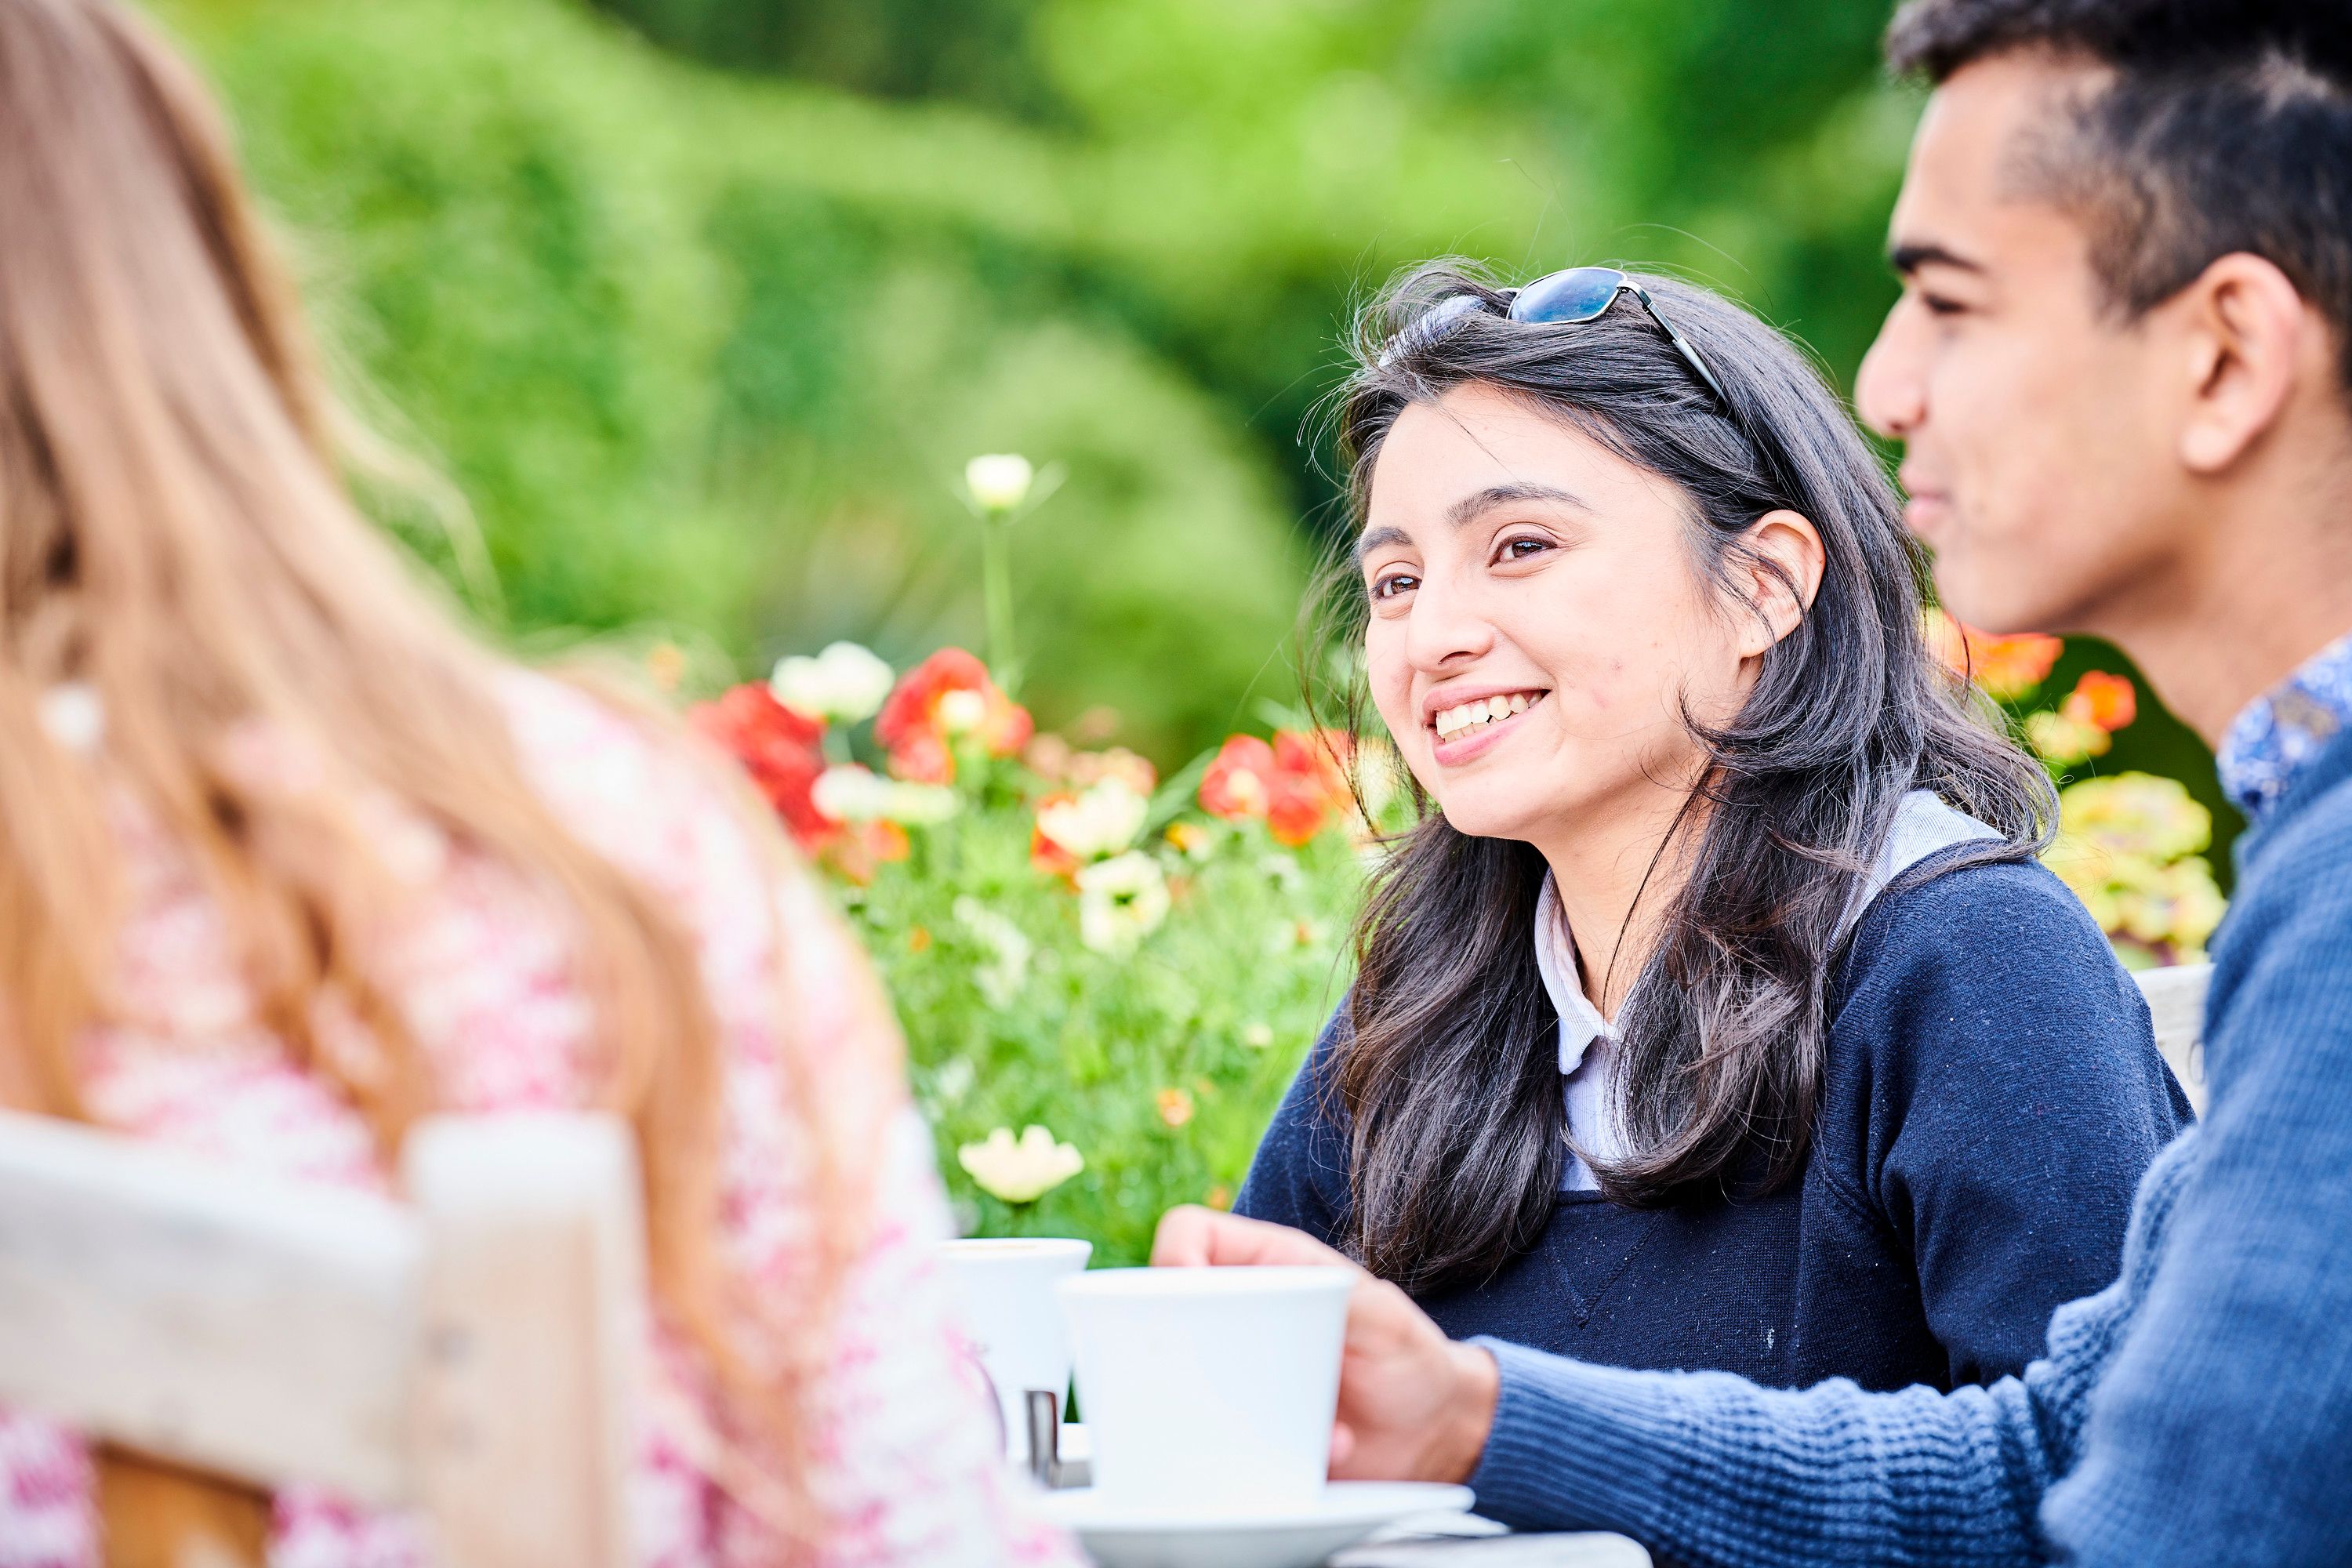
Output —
<point x="2269" y="743"/>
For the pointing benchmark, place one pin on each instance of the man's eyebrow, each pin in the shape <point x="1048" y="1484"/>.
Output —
<point x="1909" y="258"/>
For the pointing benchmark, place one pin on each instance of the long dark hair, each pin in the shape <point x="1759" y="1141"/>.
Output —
<point x="1448" y="1073"/>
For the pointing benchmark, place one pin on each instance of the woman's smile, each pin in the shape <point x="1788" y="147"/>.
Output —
<point x="1468" y="725"/>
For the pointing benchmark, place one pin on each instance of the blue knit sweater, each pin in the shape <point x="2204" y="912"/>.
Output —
<point x="2197" y="1411"/>
<point x="1991" y="1097"/>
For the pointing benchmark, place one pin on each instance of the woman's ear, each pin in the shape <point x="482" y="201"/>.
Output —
<point x="1779" y="571"/>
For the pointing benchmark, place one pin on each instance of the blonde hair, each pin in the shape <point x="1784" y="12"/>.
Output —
<point x="175" y="536"/>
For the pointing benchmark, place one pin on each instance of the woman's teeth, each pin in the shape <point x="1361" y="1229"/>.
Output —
<point x="1453" y="720"/>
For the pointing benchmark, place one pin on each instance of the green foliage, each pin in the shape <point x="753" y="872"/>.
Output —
<point x="1213" y="1009"/>
<point x="710" y="354"/>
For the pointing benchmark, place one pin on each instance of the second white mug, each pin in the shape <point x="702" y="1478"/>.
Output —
<point x="1209" y="1392"/>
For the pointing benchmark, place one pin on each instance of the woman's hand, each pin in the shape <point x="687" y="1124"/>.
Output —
<point x="1413" y="1405"/>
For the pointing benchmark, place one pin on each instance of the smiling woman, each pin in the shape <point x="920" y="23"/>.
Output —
<point x="1715" y="1014"/>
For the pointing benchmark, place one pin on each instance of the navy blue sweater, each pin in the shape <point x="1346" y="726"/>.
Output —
<point x="1993" y="1096"/>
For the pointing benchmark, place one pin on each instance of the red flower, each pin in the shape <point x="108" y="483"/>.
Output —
<point x="2109" y="702"/>
<point x="912" y="727"/>
<point x="1297" y="784"/>
<point x="779" y="748"/>
<point x="1240" y="782"/>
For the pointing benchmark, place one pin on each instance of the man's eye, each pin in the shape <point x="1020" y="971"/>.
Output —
<point x="1388" y="585"/>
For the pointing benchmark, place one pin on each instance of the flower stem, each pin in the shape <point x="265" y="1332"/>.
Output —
<point x="996" y="592"/>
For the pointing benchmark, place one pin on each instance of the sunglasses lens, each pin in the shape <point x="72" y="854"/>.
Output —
<point x="1579" y="294"/>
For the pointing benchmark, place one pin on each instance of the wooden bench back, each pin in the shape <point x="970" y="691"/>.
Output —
<point x="472" y="1353"/>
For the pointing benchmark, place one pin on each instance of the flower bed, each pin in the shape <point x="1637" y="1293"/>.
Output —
<point x="1105" y="983"/>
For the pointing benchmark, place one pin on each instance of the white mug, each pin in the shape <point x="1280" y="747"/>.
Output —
<point x="1005" y="1285"/>
<point x="1209" y="1392"/>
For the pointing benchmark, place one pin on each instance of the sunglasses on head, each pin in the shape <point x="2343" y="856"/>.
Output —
<point x="1564" y="298"/>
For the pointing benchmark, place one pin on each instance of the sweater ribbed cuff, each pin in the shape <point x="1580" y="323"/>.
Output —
<point x="1573" y="1446"/>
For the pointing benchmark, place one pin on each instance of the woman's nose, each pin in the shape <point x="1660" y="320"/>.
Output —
<point x="1446" y="628"/>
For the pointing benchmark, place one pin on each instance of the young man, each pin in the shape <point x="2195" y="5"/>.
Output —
<point x="2120" y="370"/>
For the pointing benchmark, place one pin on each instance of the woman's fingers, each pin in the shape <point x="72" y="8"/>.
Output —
<point x="1343" y="1445"/>
<point x="1191" y="1237"/>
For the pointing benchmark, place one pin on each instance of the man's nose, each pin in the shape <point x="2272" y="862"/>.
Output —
<point x="1890" y="391"/>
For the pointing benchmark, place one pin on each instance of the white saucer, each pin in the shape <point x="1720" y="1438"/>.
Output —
<point x="1344" y="1514"/>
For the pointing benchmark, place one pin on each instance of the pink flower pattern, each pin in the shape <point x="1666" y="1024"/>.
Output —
<point x="903" y="1450"/>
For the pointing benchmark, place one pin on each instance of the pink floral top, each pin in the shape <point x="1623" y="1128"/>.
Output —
<point x="904" y="1450"/>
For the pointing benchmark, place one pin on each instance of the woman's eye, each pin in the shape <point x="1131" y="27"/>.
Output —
<point x="1521" y="549"/>
<point x="1390" y="584"/>
<point x="1939" y="306"/>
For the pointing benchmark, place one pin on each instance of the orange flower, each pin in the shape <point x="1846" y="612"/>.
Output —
<point x="1240" y="782"/>
<point x="2109" y="702"/>
<point x="1175" y="1106"/>
<point x="947" y="694"/>
<point x="2006" y="667"/>
<point x="1118" y="762"/>
<point x="779" y="748"/>
<point x="859" y="849"/>
<point x="1044" y="853"/>
<point x="1190" y="838"/>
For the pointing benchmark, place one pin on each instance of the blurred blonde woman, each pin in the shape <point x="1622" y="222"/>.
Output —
<point x="288" y="860"/>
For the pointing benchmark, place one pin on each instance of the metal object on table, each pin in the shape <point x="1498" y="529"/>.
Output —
<point x="1044" y="1410"/>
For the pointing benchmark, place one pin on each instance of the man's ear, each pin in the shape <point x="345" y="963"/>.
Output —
<point x="1779" y="576"/>
<point x="2251" y="340"/>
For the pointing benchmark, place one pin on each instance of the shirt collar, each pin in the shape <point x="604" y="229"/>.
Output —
<point x="1581" y="1022"/>
<point x="2275" y="738"/>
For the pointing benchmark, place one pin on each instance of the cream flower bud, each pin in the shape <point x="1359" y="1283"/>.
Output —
<point x="1023" y="1172"/>
<point x="963" y="711"/>
<point x="843" y="684"/>
<point x="999" y="481"/>
<point x="1101" y="821"/>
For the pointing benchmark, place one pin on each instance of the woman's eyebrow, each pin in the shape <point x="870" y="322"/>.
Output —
<point x="1464" y="512"/>
<point x="1380" y="539"/>
<point x="1470" y="506"/>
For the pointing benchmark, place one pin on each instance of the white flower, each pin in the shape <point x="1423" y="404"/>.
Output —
<point x="841" y="685"/>
<point x="999" y="481"/>
<point x="850" y="793"/>
<point x="961" y="711"/>
<point x="953" y="1080"/>
<point x="1120" y="901"/>
<point x="1020" y="1172"/>
<point x="1102" y="820"/>
<point x="1000" y="978"/>
<point x="1258" y="1037"/>
<point x="920" y="804"/>
<point x="73" y="714"/>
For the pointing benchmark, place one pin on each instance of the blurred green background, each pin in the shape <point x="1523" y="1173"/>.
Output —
<point x="704" y="302"/>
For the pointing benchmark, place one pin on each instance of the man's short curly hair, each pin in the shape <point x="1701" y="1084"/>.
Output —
<point x="2221" y="126"/>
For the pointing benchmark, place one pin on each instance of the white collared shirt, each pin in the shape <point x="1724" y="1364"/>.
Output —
<point x="1589" y="1061"/>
